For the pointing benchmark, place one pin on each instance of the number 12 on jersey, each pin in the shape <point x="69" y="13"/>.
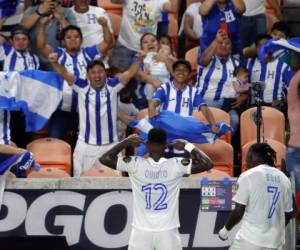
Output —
<point x="276" y="193"/>
<point x="159" y="203"/>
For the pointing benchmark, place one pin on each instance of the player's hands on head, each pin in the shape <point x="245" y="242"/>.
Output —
<point x="178" y="144"/>
<point x="134" y="140"/>
<point x="53" y="57"/>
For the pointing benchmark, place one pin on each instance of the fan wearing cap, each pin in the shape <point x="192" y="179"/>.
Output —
<point x="16" y="55"/>
<point x="179" y="96"/>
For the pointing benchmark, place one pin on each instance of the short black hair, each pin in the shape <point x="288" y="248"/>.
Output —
<point x="182" y="62"/>
<point x="157" y="135"/>
<point x="265" y="152"/>
<point x="260" y="37"/>
<point x="93" y="63"/>
<point x="240" y="69"/>
<point x="19" y="30"/>
<point x="66" y="29"/>
<point x="281" y="26"/>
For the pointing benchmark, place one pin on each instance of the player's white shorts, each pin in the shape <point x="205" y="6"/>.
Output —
<point x="147" y="240"/>
<point x="86" y="156"/>
<point x="242" y="244"/>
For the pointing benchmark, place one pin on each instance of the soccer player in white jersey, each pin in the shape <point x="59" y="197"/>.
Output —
<point x="97" y="102"/>
<point x="179" y="96"/>
<point x="263" y="202"/>
<point x="155" y="187"/>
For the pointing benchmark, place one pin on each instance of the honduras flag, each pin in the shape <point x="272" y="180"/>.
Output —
<point x="277" y="46"/>
<point x="179" y="127"/>
<point x="36" y="93"/>
<point x="23" y="161"/>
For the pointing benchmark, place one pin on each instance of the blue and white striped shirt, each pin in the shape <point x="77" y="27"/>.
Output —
<point x="4" y="127"/>
<point x="98" y="111"/>
<point x="215" y="80"/>
<point x="17" y="61"/>
<point x="275" y="74"/>
<point x="76" y="65"/>
<point x="180" y="101"/>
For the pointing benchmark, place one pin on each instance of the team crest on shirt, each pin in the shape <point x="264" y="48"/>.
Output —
<point x="185" y="162"/>
<point x="127" y="159"/>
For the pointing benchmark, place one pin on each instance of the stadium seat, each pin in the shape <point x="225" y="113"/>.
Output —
<point x="116" y="23"/>
<point x="279" y="147"/>
<point x="221" y="153"/>
<point x="173" y="31"/>
<point x="110" y="7"/>
<point x="219" y="115"/>
<point x="51" y="152"/>
<point x="48" y="172"/>
<point x="102" y="172"/>
<point x="191" y="56"/>
<point x="212" y="174"/>
<point x="273" y="125"/>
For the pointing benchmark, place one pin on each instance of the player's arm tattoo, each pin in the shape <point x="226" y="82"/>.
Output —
<point x="110" y="158"/>
<point x="200" y="161"/>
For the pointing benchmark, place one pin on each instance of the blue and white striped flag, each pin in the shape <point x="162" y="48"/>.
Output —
<point x="277" y="46"/>
<point x="37" y="93"/>
<point x="23" y="161"/>
<point x="179" y="127"/>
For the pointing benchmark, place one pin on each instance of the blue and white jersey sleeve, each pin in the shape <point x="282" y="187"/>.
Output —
<point x="115" y="84"/>
<point x="92" y="52"/>
<point x="128" y="164"/>
<point x="198" y="101"/>
<point x="80" y="84"/>
<point x="287" y="75"/>
<point x="243" y="192"/>
<point x="2" y="53"/>
<point x="183" y="166"/>
<point x="160" y="94"/>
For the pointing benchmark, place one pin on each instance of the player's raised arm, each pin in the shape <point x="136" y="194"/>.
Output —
<point x="110" y="158"/>
<point x="200" y="161"/>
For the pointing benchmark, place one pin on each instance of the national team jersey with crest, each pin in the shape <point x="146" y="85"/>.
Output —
<point x="267" y="194"/>
<point x="155" y="189"/>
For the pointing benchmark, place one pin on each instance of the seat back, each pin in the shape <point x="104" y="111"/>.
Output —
<point x="273" y="125"/>
<point x="219" y="115"/>
<point x="51" y="151"/>
<point x="110" y="7"/>
<point x="221" y="154"/>
<point x="48" y="173"/>
<point x="191" y="56"/>
<point x="279" y="148"/>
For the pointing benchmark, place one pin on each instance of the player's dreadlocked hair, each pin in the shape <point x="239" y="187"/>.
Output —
<point x="265" y="152"/>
